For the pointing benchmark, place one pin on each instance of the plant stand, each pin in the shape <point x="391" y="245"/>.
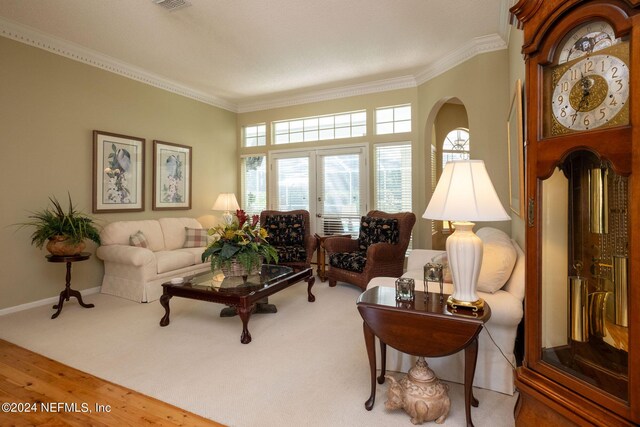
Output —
<point x="68" y="292"/>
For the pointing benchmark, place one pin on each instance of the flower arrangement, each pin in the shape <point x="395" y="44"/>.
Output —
<point x="243" y="241"/>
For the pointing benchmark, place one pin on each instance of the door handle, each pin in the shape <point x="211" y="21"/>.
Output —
<point x="318" y="215"/>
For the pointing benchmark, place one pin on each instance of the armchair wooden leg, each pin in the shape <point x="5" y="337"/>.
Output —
<point x="332" y="282"/>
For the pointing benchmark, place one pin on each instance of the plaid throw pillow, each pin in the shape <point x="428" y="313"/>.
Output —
<point x="138" y="240"/>
<point x="196" y="238"/>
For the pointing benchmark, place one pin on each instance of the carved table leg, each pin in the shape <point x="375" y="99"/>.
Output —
<point x="68" y="293"/>
<point x="164" y="301"/>
<point x="369" y="340"/>
<point x="470" y="357"/>
<point x="310" y="281"/>
<point x="321" y="267"/>
<point x="383" y="362"/>
<point x="78" y="296"/>
<point x="59" y="305"/>
<point x="245" y="313"/>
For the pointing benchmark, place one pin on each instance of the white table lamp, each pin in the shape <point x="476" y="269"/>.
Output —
<point x="465" y="193"/>
<point x="226" y="202"/>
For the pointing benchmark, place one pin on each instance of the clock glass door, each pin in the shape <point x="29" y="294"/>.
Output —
<point x="584" y="272"/>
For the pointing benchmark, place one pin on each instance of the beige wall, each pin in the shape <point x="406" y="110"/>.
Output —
<point x="516" y="71"/>
<point x="49" y="107"/>
<point x="449" y="117"/>
<point x="480" y="83"/>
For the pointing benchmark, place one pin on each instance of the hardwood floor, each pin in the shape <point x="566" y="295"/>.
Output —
<point x="34" y="390"/>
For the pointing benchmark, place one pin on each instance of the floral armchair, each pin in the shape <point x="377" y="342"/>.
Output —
<point x="290" y="233"/>
<point x="378" y="251"/>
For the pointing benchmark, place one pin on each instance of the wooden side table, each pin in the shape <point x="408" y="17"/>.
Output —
<point x="322" y="273"/>
<point x="424" y="327"/>
<point x="68" y="292"/>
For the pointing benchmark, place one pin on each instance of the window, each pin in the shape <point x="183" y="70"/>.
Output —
<point x="254" y="184"/>
<point x="393" y="119"/>
<point x="320" y="128"/>
<point x="292" y="179"/>
<point x="455" y="146"/>
<point x="393" y="177"/>
<point x="254" y="136"/>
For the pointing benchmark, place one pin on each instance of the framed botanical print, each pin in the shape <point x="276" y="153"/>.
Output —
<point x="515" y="150"/>
<point x="118" y="172"/>
<point x="171" y="176"/>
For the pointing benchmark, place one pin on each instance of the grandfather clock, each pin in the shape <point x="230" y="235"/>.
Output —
<point x="582" y="303"/>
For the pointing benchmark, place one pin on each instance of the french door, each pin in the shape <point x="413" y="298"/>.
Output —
<point x="331" y="183"/>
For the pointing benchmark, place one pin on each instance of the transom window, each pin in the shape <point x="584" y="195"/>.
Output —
<point x="393" y="119"/>
<point x="254" y="136"/>
<point x="320" y="128"/>
<point x="455" y="146"/>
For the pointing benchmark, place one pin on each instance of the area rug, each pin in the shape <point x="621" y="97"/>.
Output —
<point x="306" y="366"/>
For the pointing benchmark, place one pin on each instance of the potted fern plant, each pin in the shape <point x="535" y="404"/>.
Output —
<point x="64" y="232"/>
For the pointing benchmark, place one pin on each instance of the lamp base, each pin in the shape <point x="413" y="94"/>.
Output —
<point x="227" y="217"/>
<point x="477" y="305"/>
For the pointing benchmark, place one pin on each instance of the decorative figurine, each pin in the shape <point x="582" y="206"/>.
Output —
<point x="433" y="272"/>
<point x="420" y="393"/>
<point x="405" y="289"/>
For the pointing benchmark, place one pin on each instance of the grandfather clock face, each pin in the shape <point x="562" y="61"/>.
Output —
<point x="587" y="86"/>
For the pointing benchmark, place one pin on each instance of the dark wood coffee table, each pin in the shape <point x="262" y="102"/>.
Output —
<point x="237" y="292"/>
<point x="424" y="327"/>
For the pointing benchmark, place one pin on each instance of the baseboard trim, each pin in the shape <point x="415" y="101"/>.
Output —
<point x="46" y="301"/>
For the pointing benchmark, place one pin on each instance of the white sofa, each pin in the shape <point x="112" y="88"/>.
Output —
<point x="493" y="370"/>
<point x="137" y="273"/>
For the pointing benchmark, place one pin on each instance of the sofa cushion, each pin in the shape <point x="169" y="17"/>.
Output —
<point x="118" y="233"/>
<point x="196" y="253"/>
<point x="352" y="261"/>
<point x="498" y="259"/>
<point x="285" y="230"/>
<point x="294" y="253"/>
<point x="173" y="260"/>
<point x="377" y="230"/>
<point x="173" y="230"/>
<point x="138" y="239"/>
<point x="195" y="237"/>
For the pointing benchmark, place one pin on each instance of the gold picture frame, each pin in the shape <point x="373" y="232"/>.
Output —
<point x="515" y="152"/>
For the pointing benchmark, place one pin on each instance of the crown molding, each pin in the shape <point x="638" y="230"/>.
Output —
<point x="41" y="40"/>
<point x="329" y="94"/>
<point x="35" y="38"/>
<point x="475" y="47"/>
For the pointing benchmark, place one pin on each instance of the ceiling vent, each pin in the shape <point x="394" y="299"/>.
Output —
<point x="172" y="5"/>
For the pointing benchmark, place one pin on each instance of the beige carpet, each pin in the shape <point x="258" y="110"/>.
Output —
<point x="307" y="364"/>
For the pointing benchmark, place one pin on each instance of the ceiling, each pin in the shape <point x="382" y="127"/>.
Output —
<point x="246" y="55"/>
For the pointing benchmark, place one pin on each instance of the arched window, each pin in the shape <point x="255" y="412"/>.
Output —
<point x="455" y="146"/>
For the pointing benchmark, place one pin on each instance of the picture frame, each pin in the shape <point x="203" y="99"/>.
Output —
<point x="171" y="176"/>
<point x="118" y="172"/>
<point x="515" y="152"/>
